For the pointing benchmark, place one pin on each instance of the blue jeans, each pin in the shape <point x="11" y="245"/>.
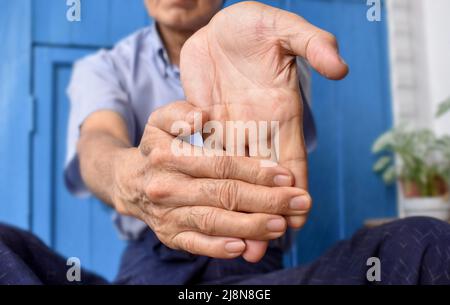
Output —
<point x="411" y="251"/>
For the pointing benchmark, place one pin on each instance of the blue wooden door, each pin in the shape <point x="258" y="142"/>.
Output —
<point x="349" y="115"/>
<point x="103" y="22"/>
<point x="15" y="112"/>
<point x="74" y="227"/>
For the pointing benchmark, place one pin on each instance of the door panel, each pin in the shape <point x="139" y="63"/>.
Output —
<point x="72" y="226"/>
<point x="103" y="22"/>
<point x="349" y="115"/>
<point x="16" y="116"/>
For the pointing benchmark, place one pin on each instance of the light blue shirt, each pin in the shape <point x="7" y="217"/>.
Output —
<point x="132" y="79"/>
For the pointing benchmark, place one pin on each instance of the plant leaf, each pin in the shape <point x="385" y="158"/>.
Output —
<point x="383" y="142"/>
<point x="389" y="175"/>
<point x="443" y="108"/>
<point x="381" y="164"/>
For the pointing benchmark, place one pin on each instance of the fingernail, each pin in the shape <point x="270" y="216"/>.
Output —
<point x="276" y="225"/>
<point x="299" y="203"/>
<point x="342" y="60"/>
<point x="295" y="222"/>
<point x="282" y="180"/>
<point x="235" y="246"/>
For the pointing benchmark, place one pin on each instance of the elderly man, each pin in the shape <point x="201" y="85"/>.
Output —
<point x="186" y="200"/>
<point x="211" y="218"/>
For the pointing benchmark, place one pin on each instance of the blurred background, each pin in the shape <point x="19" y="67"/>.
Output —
<point x="399" y="57"/>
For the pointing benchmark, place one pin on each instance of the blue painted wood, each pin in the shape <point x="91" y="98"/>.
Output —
<point x="74" y="227"/>
<point x="16" y="113"/>
<point x="103" y="22"/>
<point x="349" y="115"/>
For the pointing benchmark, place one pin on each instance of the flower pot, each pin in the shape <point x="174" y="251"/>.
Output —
<point x="437" y="187"/>
<point x="437" y="207"/>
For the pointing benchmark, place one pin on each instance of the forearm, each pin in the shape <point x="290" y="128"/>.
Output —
<point x="98" y="151"/>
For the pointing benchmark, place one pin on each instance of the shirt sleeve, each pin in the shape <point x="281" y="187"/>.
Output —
<point x="94" y="86"/>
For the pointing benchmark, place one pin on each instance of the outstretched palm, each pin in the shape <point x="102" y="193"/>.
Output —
<point x="241" y="67"/>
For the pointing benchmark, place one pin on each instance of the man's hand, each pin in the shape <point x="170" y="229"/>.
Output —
<point x="197" y="204"/>
<point x="241" y="66"/>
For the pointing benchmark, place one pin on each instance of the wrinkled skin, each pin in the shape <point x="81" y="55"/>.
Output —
<point x="241" y="66"/>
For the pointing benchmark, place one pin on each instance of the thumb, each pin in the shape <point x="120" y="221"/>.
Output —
<point x="317" y="46"/>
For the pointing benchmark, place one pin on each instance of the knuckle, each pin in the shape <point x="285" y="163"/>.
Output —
<point x="209" y="222"/>
<point x="188" y="244"/>
<point x="190" y="220"/>
<point x="157" y="191"/>
<point x="159" y="156"/>
<point x="274" y="204"/>
<point x="223" y="167"/>
<point x="204" y="221"/>
<point x="228" y="195"/>
<point x="163" y="227"/>
<point x="282" y="200"/>
<point x="253" y="226"/>
<point x="260" y="175"/>
<point x="330" y="37"/>
<point x="147" y="143"/>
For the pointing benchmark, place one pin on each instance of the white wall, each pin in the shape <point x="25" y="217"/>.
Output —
<point x="419" y="42"/>
<point x="419" y="39"/>
<point x="436" y="21"/>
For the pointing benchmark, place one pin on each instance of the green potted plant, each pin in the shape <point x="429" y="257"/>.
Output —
<point x="420" y="162"/>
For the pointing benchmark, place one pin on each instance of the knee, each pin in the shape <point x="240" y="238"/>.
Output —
<point x="422" y="223"/>
<point x="11" y="235"/>
<point x="421" y="228"/>
<point x="6" y="232"/>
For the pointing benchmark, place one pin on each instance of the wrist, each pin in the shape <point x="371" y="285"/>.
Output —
<point x="124" y="162"/>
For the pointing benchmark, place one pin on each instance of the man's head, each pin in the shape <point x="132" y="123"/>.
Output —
<point x="183" y="15"/>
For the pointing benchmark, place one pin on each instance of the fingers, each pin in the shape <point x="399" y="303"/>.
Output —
<point x="224" y="190"/>
<point x="254" y="250"/>
<point x="317" y="46"/>
<point x="297" y="36"/>
<point x="236" y="168"/>
<point x="157" y="146"/>
<point x="294" y="157"/>
<point x="217" y="222"/>
<point x="231" y="195"/>
<point x="178" y="118"/>
<point x="212" y="246"/>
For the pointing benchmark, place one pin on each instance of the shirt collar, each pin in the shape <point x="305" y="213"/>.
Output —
<point x="162" y="58"/>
